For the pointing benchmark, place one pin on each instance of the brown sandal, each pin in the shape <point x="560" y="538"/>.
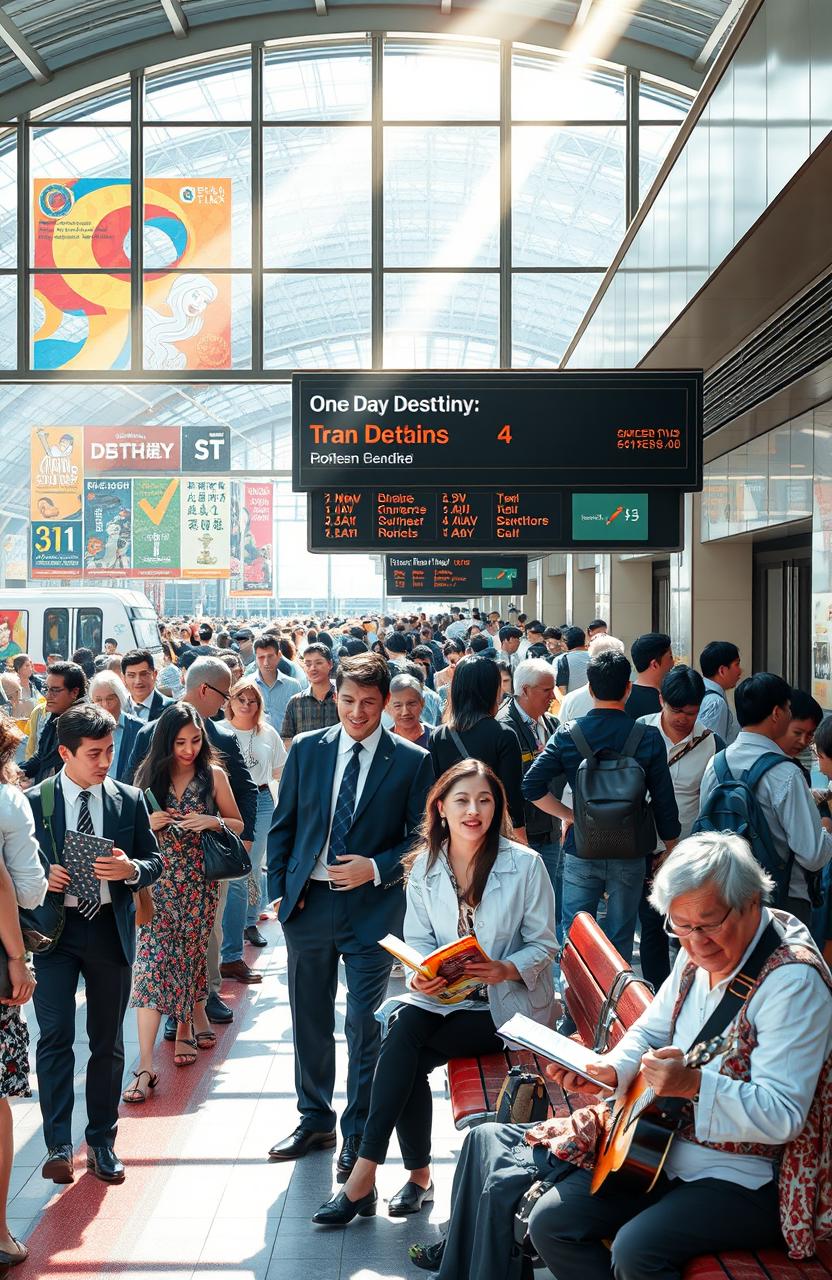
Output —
<point x="134" y="1092"/>
<point x="184" y="1059"/>
<point x="205" y="1039"/>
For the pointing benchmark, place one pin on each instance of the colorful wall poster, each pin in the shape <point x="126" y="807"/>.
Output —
<point x="15" y="556"/>
<point x="13" y="628"/>
<point x="156" y="532"/>
<point x="56" y="473"/>
<point x="125" y="450"/>
<point x="56" y="548"/>
<point x="107" y="528"/>
<point x="206" y="546"/>
<point x="82" y="320"/>
<point x="252" y="532"/>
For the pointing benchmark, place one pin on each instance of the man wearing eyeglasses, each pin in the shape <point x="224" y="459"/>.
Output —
<point x="207" y="685"/>
<point x="753" y="979"/>
<point x="66" y="684"/>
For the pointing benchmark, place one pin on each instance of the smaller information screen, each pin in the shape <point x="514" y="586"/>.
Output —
<point x="610" y="517"/>
<point x="456" y="577"/>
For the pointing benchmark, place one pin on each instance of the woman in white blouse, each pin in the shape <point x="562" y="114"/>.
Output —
<point x="22" y="883"/>
<point x="265" y="755"/>
<point x="467" y="878"/>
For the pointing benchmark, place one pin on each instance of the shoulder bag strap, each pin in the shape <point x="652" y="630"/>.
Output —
<point x="47" y="808"/>
<point x="741" y="986"/>
<point x="690" y="746"/>
<point x="576" y="733"/>
<point x="633" y="739"/>
<point x="458" y="743"/>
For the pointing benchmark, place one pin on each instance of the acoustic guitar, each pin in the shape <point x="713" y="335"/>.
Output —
<point x="633" y="1150"/>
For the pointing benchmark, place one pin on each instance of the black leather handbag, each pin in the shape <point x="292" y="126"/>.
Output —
<point x="225" y="855"/>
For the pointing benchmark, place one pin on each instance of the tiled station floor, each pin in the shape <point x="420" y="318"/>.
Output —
<point x="201" y="1199"/>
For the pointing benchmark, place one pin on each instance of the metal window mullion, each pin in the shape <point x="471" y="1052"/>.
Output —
<point x="505" y="205"/>
<point x="377" y="206"/>
<point x="257" y="315"/>
<point x="24" y="224"/>
<point x="632" y="86"/>
<point x="136" y="219"/>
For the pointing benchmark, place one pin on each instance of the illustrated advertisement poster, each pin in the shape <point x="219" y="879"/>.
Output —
<point x="822" y="648"/>
<point x="82" y="318"/>
<point x="12" y="635"/>
<point x="56" y="548"/>
<point x="107" y="528"/>
<point x="15" y="551"/>
<point x="252" y="531"/>
<point x="206" y="543"/>
<point x="156" y="519"/>
<point x="125" y="450"/>
<point x="56" y="474"/>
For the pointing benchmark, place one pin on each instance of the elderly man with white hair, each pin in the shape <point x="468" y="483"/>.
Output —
<point x="109" y="691"/>
<point x="579" y="702"/>
<point x="745" y="970"/>
<point x="527" y="713"/>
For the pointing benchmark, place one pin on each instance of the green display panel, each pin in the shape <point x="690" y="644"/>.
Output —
<point x="609" y="517"/>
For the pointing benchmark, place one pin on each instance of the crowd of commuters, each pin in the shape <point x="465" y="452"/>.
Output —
<point x="429" y="777"/>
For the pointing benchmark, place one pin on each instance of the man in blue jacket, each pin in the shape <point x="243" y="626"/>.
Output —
<point x="351" y="798"/>
<point x="96" y="938"/>
<point x="606" y="729"/>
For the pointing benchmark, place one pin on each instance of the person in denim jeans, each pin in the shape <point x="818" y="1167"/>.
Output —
<point x="264" y="754"/>
<point x="606" y="728"/>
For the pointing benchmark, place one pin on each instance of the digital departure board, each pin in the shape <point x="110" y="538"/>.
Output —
<point x="500" y="519"/>
<point x="456" y="577"/>
<point x="586" y="430"/>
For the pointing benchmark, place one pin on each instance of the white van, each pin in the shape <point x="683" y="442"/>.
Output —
<point x="47" y="620"/>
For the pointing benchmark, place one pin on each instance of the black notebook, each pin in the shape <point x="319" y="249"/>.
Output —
<point x="80" y="852"/>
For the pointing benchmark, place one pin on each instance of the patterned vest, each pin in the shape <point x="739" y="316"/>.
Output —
<point x="805" y="1163"/>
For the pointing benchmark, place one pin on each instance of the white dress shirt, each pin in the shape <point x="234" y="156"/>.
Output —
<point x="686" y="773"/>
<point x="716" y="714"/>
<point x="142" y="709"/>
<point x="369" y="746"/>
<point x="19" y="846"/>
<point x="72" y="809"/>
<point x="792" y="1015"/>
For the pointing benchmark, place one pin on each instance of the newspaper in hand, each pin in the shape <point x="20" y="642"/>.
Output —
<point x="567" y="1053"/>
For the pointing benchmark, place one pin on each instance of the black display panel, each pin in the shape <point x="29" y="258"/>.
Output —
<point x="455" y="577"/>
<point x="585" y="430"/>
<point x="499" y="520"/>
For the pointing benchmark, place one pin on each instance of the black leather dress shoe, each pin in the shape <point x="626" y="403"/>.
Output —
<point x="340" y="1210"/>
<point x="409" y="1200"/>
<point x="58" y="1164"/>
<point x="253" y="935"/>
<point x="170" y="1029"/>
<point x="217" y="1010"/>
<point x="105" y="1165"/>
<point x="347" y="1157"/>
<point x="300" y="1142"/>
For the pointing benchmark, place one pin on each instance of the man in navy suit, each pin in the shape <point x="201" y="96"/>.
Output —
<point x="96" y="939"/>
<point x="351" y="798"/>
<point x="139" y="674"/>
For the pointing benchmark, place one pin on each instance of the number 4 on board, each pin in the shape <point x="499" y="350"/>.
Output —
<point x="504" y="434"/>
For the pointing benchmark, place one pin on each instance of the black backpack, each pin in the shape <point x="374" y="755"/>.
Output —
<point x="733" y="806"/>
<point x="613" y="817"/>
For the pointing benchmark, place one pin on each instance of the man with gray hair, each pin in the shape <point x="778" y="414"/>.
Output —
<point x="579" y="702"/>
<point x="527" y="713"/>
<point x="745" y="972"/>
<point x="207" y="686"/>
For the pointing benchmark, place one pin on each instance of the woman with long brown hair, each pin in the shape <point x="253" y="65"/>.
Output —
<point x="466" y="877"/>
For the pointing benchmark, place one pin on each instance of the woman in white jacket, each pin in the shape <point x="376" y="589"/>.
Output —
<point x="22" y="882"/>
<point x="467" y="877"/>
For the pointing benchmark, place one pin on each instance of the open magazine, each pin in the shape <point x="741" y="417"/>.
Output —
<point x="448" y="962"/>
<point x="527" y="1034"/>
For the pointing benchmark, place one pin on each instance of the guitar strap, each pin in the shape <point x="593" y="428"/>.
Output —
<point x="742" y="984"/>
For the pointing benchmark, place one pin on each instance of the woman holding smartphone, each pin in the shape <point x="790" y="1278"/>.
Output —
<point x="187" y="793"/>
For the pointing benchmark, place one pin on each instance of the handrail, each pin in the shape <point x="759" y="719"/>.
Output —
<point x="721" y="62"/>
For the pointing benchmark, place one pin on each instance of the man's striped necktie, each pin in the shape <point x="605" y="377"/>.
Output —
<point x="88" y="907"/>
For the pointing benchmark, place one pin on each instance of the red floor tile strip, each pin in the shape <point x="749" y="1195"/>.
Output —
<point x="89" y="1228"/>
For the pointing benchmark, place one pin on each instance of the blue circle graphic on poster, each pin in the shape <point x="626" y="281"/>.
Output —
<point x="56" y="200"/>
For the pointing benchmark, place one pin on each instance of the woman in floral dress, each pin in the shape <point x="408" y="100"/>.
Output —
<point x="188" y="793"/>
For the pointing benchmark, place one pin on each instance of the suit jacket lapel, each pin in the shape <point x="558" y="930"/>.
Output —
<point x="328" y="749"/>
<point x="524" y="727"/>
<point x="58" y="820"/>
<point x="382" y="761"/>
<point x="112" y="798"/>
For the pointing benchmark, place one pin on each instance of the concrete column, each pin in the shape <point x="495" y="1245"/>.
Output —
<point x="631" y="592"/>
<point x="581" y="607"/>
<point x="552" y="593"/>
<point x="721" y="582"/>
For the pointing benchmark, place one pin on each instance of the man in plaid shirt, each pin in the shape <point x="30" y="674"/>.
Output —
<point x="315" y="707"/>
